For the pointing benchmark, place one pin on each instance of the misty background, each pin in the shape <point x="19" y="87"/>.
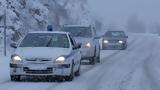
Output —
<point x="132" y="15"/>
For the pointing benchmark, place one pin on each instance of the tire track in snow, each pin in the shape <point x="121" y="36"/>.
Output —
<point x="113" y="61"/>
<point x="148" y="70"/>
<point x="144" y="72"/>
<point x="110" y="61"/>
<point x="127" y="83"/>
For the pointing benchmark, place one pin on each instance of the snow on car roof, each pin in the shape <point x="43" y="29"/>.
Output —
<point x="76" y="25"/>
<point x="61" y="32"/>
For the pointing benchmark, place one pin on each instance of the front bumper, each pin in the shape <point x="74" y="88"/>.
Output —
<point x="54" y="70"/>
<point x="113" y="45"/>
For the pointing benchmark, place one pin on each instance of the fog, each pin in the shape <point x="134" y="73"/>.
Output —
<point x="119" y="11"/>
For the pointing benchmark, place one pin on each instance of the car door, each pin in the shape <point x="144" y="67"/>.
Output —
<point x="76" y="53"/>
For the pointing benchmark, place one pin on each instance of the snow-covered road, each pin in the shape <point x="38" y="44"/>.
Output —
<point x="137" y="68"/>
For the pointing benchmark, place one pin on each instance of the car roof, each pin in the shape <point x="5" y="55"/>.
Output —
<point x="116" y="31"/>
<point x="76" y="26"/>
<point x="60" y="32"/>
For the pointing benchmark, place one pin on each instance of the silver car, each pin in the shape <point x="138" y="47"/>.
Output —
<point x="86" y="35"/>
<point x="114" y="40"/>
<point x="53" y="54"/>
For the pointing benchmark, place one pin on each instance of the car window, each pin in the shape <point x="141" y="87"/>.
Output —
<point x="45" y="40"/>
<point x="115" y="34"/>
<point x="78" y="31"/>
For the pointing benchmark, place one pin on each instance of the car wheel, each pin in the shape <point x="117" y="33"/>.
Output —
<point x="124" y="47"/>
<point x="15" y="78"/>
<point x="98" y="59"/>
<point x="71" y="76"/>
<point x="77" y="73"/>
<point x="92" y="60"/>
<point x="50" y="78"/>
<point x="60" y="78"/>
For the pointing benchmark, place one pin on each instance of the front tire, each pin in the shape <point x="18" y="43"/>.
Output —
<point x="98" y="59"/>
<point x="124" y="47"/>
<point x="93" y="59"/>
<point x="71" y="76"/>
<point x="77" y="73"/>
<point x="15" y="77"/>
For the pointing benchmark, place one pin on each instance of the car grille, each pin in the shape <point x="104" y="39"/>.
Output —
<point x="113" y="41"/>
<point x="38" y="59"/>
<point x="29" y="71"/>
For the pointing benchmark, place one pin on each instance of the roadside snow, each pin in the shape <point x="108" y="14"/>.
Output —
<point x="4" y="68"/>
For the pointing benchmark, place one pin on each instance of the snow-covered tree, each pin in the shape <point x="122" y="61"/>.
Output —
<point x="35" y="15"/>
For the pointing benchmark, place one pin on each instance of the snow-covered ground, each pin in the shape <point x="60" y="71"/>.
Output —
<point x="137" y="68"/>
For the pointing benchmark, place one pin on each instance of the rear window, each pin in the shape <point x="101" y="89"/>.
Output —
<point x="115" y="34"/>
<point x="78" y="31"/>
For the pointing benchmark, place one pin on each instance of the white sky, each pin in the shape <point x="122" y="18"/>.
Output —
<point x="118" y="11"/>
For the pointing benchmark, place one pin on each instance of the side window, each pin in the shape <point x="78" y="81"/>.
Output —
<point x="72" y="41"/>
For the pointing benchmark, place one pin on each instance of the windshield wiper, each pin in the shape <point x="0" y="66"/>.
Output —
<point x="49" y="42"/>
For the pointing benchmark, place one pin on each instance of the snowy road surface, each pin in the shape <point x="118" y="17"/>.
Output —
<point x="137" y="68"/>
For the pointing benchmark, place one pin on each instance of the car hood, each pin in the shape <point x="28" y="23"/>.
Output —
<point x="82" y="40"/>
<point x="42" y="52"/>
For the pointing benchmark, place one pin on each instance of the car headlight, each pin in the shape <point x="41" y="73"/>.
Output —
<point x="105" y="41"/>
<point x="120" y="41"/>
<point x="16" y="59"/>
<point x="60" y="59"/>
<point x="88" y="45"/>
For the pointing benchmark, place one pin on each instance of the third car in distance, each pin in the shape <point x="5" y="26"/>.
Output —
<point x="114" y="40"/>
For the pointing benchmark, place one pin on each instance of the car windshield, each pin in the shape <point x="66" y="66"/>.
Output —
<point x="45" y="40"/>
<point x="78" y="31"/>
<point x="115" y="34"/>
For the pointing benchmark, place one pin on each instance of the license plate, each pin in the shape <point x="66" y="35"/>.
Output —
<point x="37" y="67"/>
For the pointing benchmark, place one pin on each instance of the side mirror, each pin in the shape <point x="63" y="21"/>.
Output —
<point x="13" y="45"/>
<point x="77" y="46"/>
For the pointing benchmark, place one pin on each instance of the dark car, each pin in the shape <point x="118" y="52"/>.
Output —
<point x="114" y="40"/>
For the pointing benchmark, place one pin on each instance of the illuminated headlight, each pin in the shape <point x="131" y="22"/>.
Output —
<point x="120" y="42"/>
<point x="16" y="59"/>
<point x="88" y="45"/>
<point x="105" y="41"/>
<point x="60" y="59"/>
